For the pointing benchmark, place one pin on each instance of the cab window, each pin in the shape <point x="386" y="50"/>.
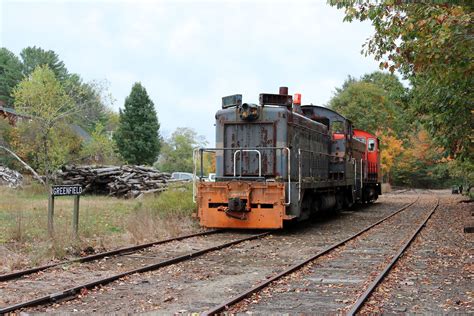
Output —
<point x="337" y="127"/>
<point x="371" y="144"/>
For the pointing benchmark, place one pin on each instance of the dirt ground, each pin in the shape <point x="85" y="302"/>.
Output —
<point x="435" y="276"/>
<point x="199" y="284"/>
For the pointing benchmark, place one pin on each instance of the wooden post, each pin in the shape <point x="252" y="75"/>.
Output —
<point x="75" y="217"/>
<point x="51" y="215"/>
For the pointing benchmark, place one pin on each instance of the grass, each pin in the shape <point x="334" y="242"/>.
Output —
<point x="105" y="223"/>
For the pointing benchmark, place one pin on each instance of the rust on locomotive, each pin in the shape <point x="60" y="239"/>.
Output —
<point x="279" y="161"/>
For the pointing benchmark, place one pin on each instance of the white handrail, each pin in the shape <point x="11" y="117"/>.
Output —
<point x="247" y="150"/>
<point x="235" y="172"/>
<point x="299" y="175"/>
<point x="289" y="176"/>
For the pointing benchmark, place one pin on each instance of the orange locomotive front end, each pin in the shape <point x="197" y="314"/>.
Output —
<point x="253" y="180"/>
<point x="241" y="204"/>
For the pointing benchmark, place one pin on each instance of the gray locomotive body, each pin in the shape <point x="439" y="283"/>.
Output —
<point x="277" y="159"/>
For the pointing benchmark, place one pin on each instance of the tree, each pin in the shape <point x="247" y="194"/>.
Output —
<point x="32" y="57"/>
<point x="177" y="151"/>
<point x="137" y="136"/>
<point x="6" y="131"/>
<point x="42" y="98"/>
<point x="394" y="89"/>
<point x="101" y="149"/>
<point x="10" y="74"/>
<point x="92" y="97"/>
<point x="421" y="164"/>
<point x="432" y="46"/>
<point x="63" y="146"/>
<point x="8" y="134"/>
<point x="462" y="172"/>
<point x="390" y="148"/>
<point x="375" y="102"/>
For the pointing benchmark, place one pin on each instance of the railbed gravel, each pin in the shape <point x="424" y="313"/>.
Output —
<point x="202" y="283"/>
<point x="199" y="284"/>
<point x="435" y="275"/>
<point x="332" y="283"/>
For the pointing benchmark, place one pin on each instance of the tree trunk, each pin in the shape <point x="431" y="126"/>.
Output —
<point x="37" y="177"/>
<point x="46" y="160"/>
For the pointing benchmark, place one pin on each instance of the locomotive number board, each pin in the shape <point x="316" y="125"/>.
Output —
<point x="64" y="190"/>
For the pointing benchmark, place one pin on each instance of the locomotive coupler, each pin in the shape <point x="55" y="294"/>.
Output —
<point x="236" y="208"/>
<point x="237" y="204"/>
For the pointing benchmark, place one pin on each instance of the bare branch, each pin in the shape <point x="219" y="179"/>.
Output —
<point x="24" y="164"/>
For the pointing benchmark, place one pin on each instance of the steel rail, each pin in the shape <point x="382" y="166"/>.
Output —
<point x="364" y="296"/>
<point x="120" y="251"/>
<point x="72" y="292"/>
<point x="297" y="266"/>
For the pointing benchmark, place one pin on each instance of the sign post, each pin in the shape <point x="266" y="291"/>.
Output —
<point x="64" y="190"/>
<point x="51" y="215"/>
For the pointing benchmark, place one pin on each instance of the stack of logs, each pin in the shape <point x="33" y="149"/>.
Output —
<point x="10" y="177"/>
<point x="120" y="181"/>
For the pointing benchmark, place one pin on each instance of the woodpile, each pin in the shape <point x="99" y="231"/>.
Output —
<point x="10" y="177"/>
<point x="120" y="181"/>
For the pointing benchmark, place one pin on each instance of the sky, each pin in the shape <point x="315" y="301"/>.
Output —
<point x="189" y="54"/>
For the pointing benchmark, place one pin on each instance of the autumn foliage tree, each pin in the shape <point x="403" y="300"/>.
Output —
<point x="41" y="98"/>
<point x="391" y="148"/>
<point x="422" y="164"/>
<point x="432" y="46"/>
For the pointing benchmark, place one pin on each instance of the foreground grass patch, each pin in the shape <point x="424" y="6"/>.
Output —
<point x="105" y="222"/>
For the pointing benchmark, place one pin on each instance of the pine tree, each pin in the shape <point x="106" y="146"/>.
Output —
<point x="10" y="75"/>
<point x="137" y="135"/>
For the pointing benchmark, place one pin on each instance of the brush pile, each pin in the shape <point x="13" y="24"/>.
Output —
<point x="10" y="177"/>
<point x="120" y="181"/>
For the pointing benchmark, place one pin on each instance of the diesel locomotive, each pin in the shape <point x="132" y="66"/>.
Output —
<point x="280" y="161"/>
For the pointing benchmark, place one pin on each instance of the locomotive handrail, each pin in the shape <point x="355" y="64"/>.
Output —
<point x="299" y="175"/>
<point x="202" y="150"/>
<point x="354" y="161"/>
<point x="247" y="150"/>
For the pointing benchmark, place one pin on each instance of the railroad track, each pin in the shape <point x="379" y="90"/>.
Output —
<point x="362" y="297"/>
<point x="97" y="256"/>
<point x="72" y="292"/>
<point x="400" y="191"/>
<point x="373" y="285"/>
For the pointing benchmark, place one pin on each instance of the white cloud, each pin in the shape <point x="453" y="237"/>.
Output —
<point x="189" y="54"/>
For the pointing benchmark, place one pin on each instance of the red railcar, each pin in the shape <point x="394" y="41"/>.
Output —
<point x="371" y="173"/>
